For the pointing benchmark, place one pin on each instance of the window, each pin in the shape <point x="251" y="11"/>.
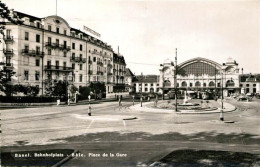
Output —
<point x="49" y="27"/>
<point x="80" y="47"/>
<point x="49" y="64"/>
<point x="191" y="84"/>
<point x="81" y="36"/>
<point x="80" y="67"/>
<point x="57" y="42"/>
<point x="247" y="85"/>
<point x="151" y="84"/>
<point x="38" y="25"/>
<point x="80" y="78"/>
<point x="57" y="64"/>
<point x="89" y="51"/>
<point x="26" y="75"/>
<point x="65" y="32"/>
<point x="73" y="56"/>
<point x="247" y="90"/>
<point x="64" y="54"/>
<point x="38" y="49"/>
<point x="49" y="40"/>
<point x="73" y="45"/>
<point x="65" y="44"/>
<point x="73" y="66"/>
<point x="204" y="84"/>
<point x="80" y="57"/>
<point x="254" y="85"/>
<point x="49" y="51"/>
<point x="58" y="30"/>
<point x="94" y="59"/>
<point x="254" y="90"/>
<point x="37" y="75"/>
<point x="64" y="65"/>
<point x="26" y="36"/>
<point x="37" y="62"/>
<point x="145" y="84"/>
<point x="26" y="47"/>
<point x="146" y="89"/>
<point x="240" y="85"/>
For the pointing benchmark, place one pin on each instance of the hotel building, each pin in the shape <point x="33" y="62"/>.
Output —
<point x="48" y="49"/>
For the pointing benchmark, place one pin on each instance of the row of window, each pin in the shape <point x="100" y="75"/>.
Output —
<point x="36" y="75"/>
<point x="247" y="85"/>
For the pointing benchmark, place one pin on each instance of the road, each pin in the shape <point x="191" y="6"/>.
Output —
<point x="140" y="141"/>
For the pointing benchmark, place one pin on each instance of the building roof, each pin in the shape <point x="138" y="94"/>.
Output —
<point x="129" y="73"/>
<point x="249" y="77"/>
<point x="147" y="78"/>
<point x="118" y="59"/>
<point x="32" y="18"/>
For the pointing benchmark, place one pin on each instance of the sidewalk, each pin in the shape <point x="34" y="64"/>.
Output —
<point x="22" y="105"/>
<point x="227" y="108"/>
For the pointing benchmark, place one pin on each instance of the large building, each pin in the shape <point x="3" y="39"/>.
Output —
<point x="48" y="49"/>
<point x="201" y="74"/>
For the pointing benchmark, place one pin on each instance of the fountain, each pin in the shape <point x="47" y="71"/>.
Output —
<point x="185" y="101"/>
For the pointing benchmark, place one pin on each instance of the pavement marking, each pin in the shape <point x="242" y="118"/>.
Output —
<point x="91" y="123"/>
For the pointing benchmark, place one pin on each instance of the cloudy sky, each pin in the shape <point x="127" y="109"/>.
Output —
<point x="149" y="31"/>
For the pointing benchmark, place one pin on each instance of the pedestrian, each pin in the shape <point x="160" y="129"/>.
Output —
<point x="148" y="98"/>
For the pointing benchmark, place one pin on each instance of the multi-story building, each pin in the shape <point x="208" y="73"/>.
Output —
<point x="146" y="83"/>
<point x="201" y="74"/>
<point x="129" y="78"/>
<point x="48" y="49"/>
<point x="249" y="83"/>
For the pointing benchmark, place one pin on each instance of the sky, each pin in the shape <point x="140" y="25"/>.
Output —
<point x="147" y="32"/>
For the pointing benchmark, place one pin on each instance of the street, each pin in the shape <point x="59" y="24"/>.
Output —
<point x="122" y="137"/>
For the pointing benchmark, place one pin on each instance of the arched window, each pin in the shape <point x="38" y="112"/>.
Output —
<point x="197" y="84"/>
<point x="167" y="83"/>
<point x="230" y="83"/>
<point x="184" y="84"/>
<point x="211" y="83"/>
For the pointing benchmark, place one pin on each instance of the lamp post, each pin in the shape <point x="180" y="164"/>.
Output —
<point x="133" y="99"/>
<point x="222" y="107"/>
<point x="175" y="82"/>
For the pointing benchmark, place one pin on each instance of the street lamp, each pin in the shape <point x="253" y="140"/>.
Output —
<point x="175" y="82"/>
<point x="133" y="99"/>
<point x="222" y="106"/>
<point x="89" y="107"/>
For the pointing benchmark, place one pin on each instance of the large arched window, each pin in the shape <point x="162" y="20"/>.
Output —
<point x="167" y="83"/>
<point x="184" y="84"/>
<point x="211" y="83"/>
<point x="230" y="83"/>
<point x="197" y="84"/>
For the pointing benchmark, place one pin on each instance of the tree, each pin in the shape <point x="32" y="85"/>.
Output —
<point x="5" y="78"/>
<point x="59" y="89"/>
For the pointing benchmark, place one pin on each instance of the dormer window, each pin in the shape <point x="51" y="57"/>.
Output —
<point x="49" y="27"/>
<point x="73" y="34"/>
<point x="65" y="32"/>
<point x="58" y="30"/>
<point x="38" y="25"/>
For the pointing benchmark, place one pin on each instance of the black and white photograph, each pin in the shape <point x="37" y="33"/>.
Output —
<point x="129" y="83"/>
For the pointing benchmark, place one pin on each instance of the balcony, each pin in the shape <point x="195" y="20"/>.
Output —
<point x="100" y="63"/>
<point x="100" y="73"/>
<point x="8" y="51"/>
<point x="97" y="53"/>
<point x="32" y="53"/>
<point x="57" y="68"/>
<point x="8" y="66"/>
<point x="78" y="59"/>
<point x="8" y="39"/>
<point x="57" y="46"/>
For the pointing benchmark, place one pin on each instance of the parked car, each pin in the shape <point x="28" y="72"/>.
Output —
<point x="241" y="98"/>
<point x="249" y="94"/>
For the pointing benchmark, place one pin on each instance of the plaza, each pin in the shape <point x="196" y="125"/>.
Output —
<point x="111" y="129"/>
